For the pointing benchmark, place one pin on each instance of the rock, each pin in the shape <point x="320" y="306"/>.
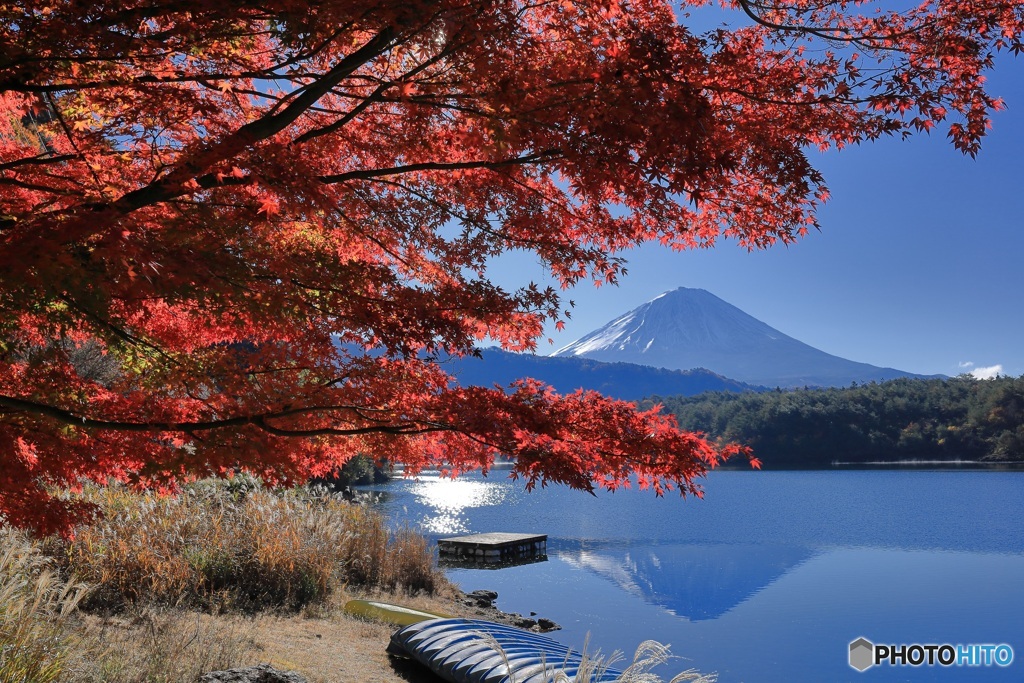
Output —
<point x="262" y="673"/>
<point x="482" y="598"/>
<point x="524" y="622"/>
<point x="482" y="602"/>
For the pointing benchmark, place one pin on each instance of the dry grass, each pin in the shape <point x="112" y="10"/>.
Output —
<point x="223" y="548"/>
<point x="35" y="606"/>
<point x="594" y="666"/>
<point x="173" y="645"/>
<point x="266" y="571"/>
<point x="650" y="655"/>
<point x="45" y="639"/>
<point x="158" y="646"/>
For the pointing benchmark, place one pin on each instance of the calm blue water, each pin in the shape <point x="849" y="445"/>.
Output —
<point x="769" y="577"/>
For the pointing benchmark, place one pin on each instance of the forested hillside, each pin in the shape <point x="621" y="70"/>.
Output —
<point x="626" y="381"/>
<point x="940" y="419"/>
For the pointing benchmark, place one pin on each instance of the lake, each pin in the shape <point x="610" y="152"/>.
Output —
<point x="769" y="577"/>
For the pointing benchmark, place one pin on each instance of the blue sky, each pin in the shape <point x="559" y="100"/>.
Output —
<point x="919" y="264"/>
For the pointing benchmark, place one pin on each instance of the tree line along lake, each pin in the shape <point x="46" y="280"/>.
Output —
<point x="770" y="577"/>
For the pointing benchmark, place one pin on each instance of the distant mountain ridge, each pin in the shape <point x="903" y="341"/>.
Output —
<point x="624" y="381"/>
<point x="692" y="328"/>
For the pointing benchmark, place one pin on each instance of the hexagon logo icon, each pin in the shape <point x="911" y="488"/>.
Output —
<point x="862" y="654"/>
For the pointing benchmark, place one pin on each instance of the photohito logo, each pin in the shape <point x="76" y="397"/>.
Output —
<point x="864" y="654"/>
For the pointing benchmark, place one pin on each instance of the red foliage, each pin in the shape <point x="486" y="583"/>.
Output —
<point x="241" y="235"/>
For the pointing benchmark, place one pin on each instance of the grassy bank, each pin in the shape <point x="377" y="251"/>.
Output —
<point x="162" y="589"/>
<point x="227" y="546"/>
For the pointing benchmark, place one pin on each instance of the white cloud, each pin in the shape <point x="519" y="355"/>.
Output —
<point x="990" y="372"/>
<point x="966" y="364"/>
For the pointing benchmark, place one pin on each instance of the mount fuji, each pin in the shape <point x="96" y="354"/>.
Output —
<point x="692" y="328"/>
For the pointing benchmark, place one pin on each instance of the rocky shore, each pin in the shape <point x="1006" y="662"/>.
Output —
<point x="480" y="605"/>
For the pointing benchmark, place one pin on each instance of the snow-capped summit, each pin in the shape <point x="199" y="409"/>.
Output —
<point x="692" y="328"/>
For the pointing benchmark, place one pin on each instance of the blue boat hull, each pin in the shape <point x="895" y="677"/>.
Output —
<point x="474" y="651"/>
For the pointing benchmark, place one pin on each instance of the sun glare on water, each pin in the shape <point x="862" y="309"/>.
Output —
<point x="448" y="499"/>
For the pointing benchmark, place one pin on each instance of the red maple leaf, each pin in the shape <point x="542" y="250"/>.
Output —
<point x="269" y="206"/>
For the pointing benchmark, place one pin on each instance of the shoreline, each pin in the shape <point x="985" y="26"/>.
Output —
<point x="324" y="645"/>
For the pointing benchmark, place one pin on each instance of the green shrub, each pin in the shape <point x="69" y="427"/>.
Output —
<point x="359" y="470"/>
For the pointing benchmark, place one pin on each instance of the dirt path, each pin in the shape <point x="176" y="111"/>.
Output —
<point x="333" y="650"/>
<point x="342" y="649"/>
<point x="178" y="645"/>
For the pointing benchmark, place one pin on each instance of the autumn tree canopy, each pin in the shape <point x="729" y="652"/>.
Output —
<point x="244" y="235"/>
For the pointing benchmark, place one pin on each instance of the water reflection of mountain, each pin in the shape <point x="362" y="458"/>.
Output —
<point x="694" y="581"/>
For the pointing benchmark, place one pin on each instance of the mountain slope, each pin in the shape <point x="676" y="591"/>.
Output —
<point x="618" y="380"/>
<point x="692" y="328"/>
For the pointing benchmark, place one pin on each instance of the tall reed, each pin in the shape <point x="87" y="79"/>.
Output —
<point x="222" y="546"/>
<point x="35" y="606"/>
<point x="594" y="666"/>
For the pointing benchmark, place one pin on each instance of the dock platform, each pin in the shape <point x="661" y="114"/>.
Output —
<point x="494" y="548"/>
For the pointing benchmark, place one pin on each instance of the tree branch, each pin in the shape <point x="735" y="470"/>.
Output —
<point x="365" y="174"/>
<point x="836" y="33"/>
<point x="261" y="129"/>
<point x="260" y="420"/>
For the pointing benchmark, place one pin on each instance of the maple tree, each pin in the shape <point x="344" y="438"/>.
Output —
<point x="244" y="236"/>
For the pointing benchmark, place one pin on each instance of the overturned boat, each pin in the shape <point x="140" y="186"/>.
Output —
<point x="476" y="651"/>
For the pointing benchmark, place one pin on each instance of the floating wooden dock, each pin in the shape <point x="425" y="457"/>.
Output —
<point x="494" y="548"/>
